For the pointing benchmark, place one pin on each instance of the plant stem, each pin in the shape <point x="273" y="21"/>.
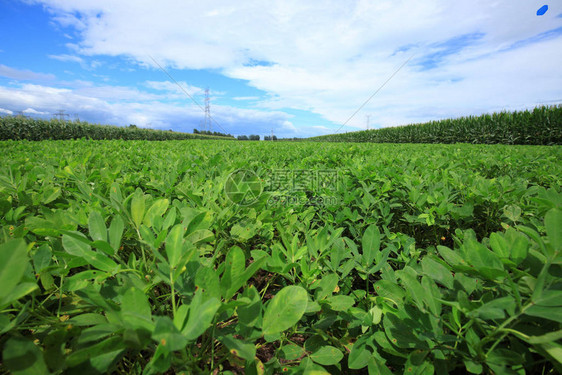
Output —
<point x="173" y="294"/>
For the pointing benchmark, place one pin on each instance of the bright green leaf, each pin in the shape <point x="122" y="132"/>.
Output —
<point x="285" y="309"/>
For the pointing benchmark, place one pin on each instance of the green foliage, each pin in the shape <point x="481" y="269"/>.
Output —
<point x="18" y="128"/>
<point x="129" y="257"/>
<point x="541" y="126"/>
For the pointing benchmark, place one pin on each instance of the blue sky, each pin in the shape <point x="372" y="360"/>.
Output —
<point x="292" y="67"/>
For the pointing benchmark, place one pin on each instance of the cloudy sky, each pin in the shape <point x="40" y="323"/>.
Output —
<point x="294" y="67"/>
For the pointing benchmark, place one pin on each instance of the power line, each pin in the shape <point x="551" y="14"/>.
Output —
<point x="376" y="92"/>
<point x="185" y="92"/>
<point x="208" y="122"/>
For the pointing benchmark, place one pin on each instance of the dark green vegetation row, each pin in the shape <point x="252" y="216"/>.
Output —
<point x="20" y="127"/>
<point x="541" y="126"/>
<point x="129" y="257"/>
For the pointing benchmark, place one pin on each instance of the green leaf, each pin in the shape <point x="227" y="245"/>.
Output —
<point x="248" y="315"/>
<point x="548" y="337"/>
<point x="411" y="284"/>
<point x="327" y="355"/>
<point x="499" y="246"/>
<point x="512" y="212"/>
<point x="13" y="263"/>
<point x="88" y="319"/>
<point x="23" y="357"/>
<point x="235" y="273"/>
<point x="109" y="345"/>
<point x="137" y="207"/>
<point x="388" y="289"/>
<point x="51" y="195"/>
<point x="167" y="335"/>
<point x="375" y="315"/>
<point x="553" y="224"/>
<point x="201" y="314"/>
<point x="104" y="246"/>
<point x="325" y="287"/>
<point x="550" y="297"/>
<point x="174" y="245"/>
<point x="370" y="242"/>
<point x="242" y="233"/>
<point x="116" y="232"/>
<point x="239" y="348"/>
<point x="158" y="209"/>
<point x="450" y="256"/>
<point x="5" y="324"/>
<point x="340" y="302"/>
<point x="519" y="246"/>
<point x="135" y="310"/>
<point x="284" y="310"/>
<point x="82" y="250"/>
<point x="486" y="262"/>
<point x="547" y="312"/>
<point x="437" y="271"/>
<point x="473" y="367"/>
<point x="359" y="355"/>
<point x="292" y="352"/>
<point x="74" y="246"/>
<point x="18" y="292"/>
<point x="96" y="225"/>
<point x="376" y="367"/>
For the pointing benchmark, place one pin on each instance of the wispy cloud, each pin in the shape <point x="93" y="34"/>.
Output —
<point x="547" y="35"/>
<point x="243" y="98"/>
<point x="172" y="87"/>
<point x="453" y="46"/>
<point x="67" y="58"/>
<point x="31" y="111"/>
<point x="24" y="75"/>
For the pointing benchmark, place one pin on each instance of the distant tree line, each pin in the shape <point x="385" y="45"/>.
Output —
<point x="268" y="138"/>
<point x="252" y="137"/>
<point x="208" y="132"/>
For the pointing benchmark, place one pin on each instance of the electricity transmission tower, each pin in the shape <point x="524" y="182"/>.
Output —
<point x="368" y="120"/>
<point x="208" y="122"/>
<point x="61" y="115"/>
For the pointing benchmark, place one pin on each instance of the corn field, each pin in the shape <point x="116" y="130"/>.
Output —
<point x="541" y="126"/>
<point x="20" y="128"/>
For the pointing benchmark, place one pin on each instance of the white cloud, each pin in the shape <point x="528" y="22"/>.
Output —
<point x="67" y="58"/>
<point x="172" y="87"/>
<point x="329" y="56"/>
<point x="24" y="75"/>
<point x="243" y="98"/>
<point x="122" y="106"/>
<point x="6" y="111"/>
<point x="31" y="111"/>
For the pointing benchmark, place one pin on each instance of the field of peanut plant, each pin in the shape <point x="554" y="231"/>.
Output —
<point x="223" y="257"/>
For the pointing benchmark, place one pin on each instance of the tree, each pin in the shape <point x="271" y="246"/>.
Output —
<point x="195" y="131"/>
<point x="254" y="137"/>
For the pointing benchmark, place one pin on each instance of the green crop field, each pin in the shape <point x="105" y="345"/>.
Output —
<point x="540" y="126"/>
<point x="210" y="256"/>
